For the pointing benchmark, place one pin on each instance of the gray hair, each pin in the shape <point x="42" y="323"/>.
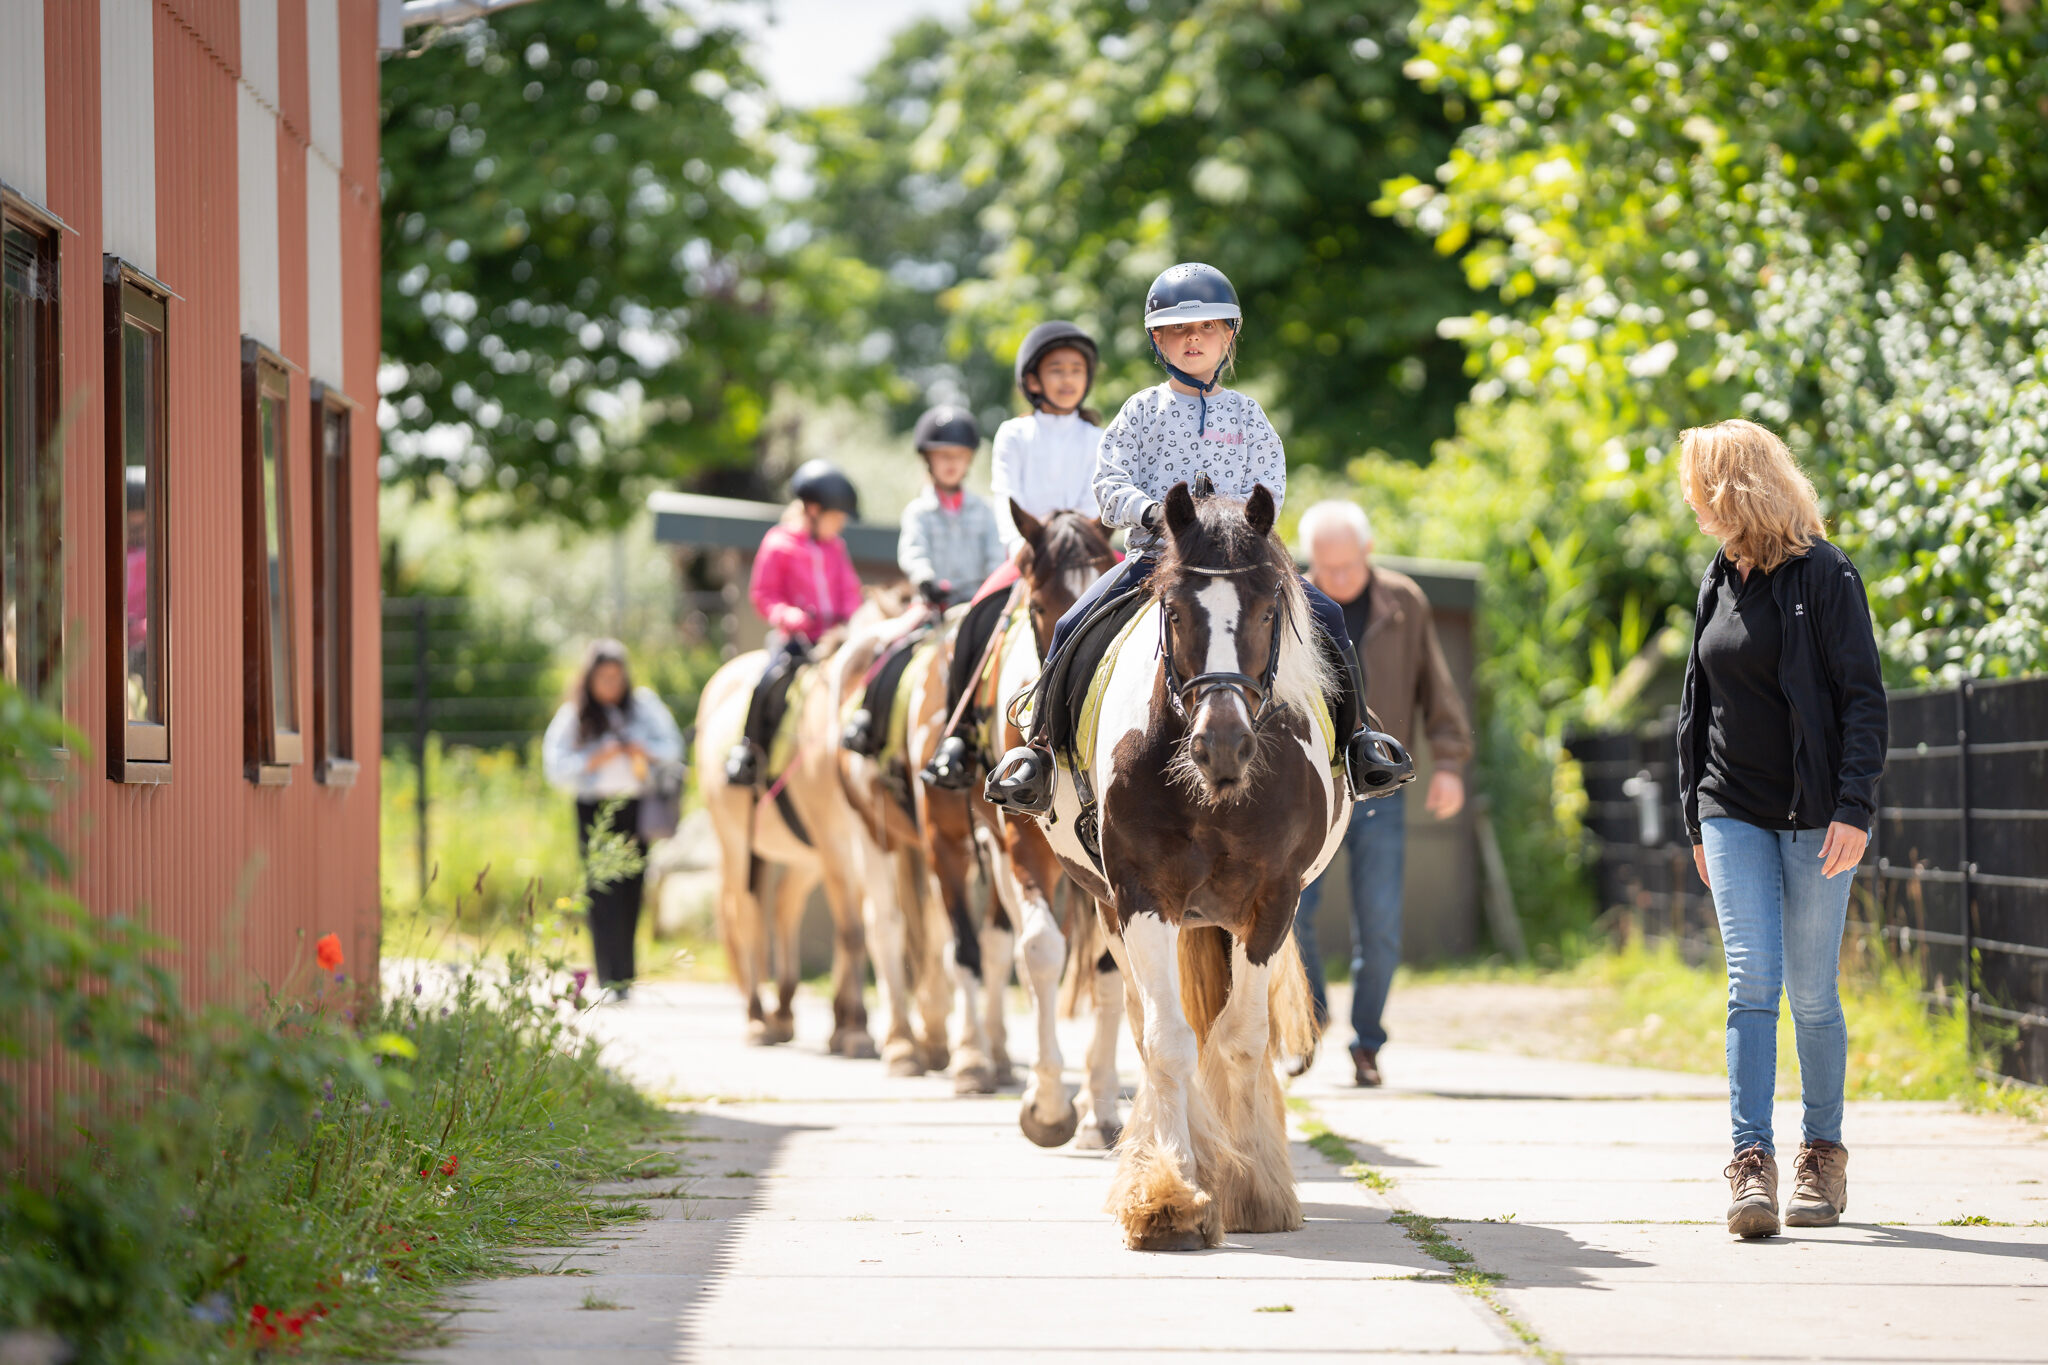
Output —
<point x="1332" y="514"/>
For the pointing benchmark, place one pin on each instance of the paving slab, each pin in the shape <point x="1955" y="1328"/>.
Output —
<point x="830" y="1213"/>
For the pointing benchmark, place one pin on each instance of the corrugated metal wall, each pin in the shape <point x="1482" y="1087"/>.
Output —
<point x="244" y="878"/>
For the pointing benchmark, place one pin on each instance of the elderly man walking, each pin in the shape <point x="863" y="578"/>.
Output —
<point x="1405" y="675"/>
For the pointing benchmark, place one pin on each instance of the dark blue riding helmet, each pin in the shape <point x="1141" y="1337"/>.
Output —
<point x="820" y="483"/>
<point x="946" y="425"/>
<point x="1045" y="338"/>
<point x="1193" y="292"/>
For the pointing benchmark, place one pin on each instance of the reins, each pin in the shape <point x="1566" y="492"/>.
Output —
<point x="1256" y="693"/>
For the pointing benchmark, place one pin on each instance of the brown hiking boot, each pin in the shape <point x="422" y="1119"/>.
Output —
<point x="1820" y="1186"/>
<point x="1365" y="1066"/>
<point x="1753" y="1176"/>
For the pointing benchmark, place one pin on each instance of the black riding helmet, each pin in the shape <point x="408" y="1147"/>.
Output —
<point x="946" y="425"/>
<point x="821" y="483"/>
<point x="1047" y="337"/>
<point x="1193" y="292"/>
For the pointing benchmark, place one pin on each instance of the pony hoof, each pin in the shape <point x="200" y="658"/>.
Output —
<point x="781" y="1028"/>
<point x="936" y="1058"/>
<point x="857" y="1045"/>
<point x="1168" y="1239"/>
<point x="1098" y="1137"/>
<point x="974" y="1080"/>
<point x="757" y="1033"/>
<point x="1006" y="1076"/>
<point x="1055" y="1134"/>
<point x="905" y="1065"/>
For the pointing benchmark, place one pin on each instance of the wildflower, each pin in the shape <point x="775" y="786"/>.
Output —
<point x="211" y="1309"/>
<point x="415" y="988"/>
<point x="448" y="1166"/>
<point x="340" y="978"/>
<point x="582" y="975"/>
<point x="328" y="953"/>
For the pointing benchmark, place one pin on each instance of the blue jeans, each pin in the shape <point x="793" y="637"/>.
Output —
<point x="1377" y="844"/>
<point x="1781" y="927"/>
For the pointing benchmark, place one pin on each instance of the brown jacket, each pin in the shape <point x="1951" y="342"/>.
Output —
<point x="1405" y="671"/>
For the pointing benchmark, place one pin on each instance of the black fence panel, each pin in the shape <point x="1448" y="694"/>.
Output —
<point x="1956" y="876"/>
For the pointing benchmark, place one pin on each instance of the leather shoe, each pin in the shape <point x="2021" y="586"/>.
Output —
<point x="1365" y="1064"/>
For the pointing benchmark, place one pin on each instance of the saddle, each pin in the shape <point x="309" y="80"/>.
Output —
<point x="1071" y="675"/>
<point x="886" y="693"/>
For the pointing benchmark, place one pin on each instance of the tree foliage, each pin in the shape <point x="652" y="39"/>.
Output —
<point x="1102" y="141"/>
<point x="575" y="298"/>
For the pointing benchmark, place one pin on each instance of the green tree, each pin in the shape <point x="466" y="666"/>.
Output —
<point x="576" y="284"/>
<point x="1100" y="141"/>
<point x="915" y="230"/>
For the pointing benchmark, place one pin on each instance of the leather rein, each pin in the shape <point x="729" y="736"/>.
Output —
<point x="1256" y="693"/>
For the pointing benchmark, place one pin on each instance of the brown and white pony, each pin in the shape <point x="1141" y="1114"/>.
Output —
<point x="1217" y="805"/>
<point x="1065" y="553"/>
<point x="906" y="933"/>
<point x="755" y="832"/>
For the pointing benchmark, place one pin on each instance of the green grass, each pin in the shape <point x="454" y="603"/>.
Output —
<point x="321" y="1182"/>
<point x="1647" y="1006"/>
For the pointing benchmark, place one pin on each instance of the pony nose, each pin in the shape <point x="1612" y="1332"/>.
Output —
<point x="1226" y="752"/>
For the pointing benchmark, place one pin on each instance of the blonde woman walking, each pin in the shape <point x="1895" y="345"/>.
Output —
<point x="1781" y="740"/>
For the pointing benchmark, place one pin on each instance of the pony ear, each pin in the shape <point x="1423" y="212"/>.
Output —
<point x="1028" y="526"/>
<point x="1205" y="487"/>
<point x="1259" y="511"/>
<point x="1180" y="510"/>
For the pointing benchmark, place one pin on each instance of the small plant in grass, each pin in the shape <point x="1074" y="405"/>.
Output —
<point x="1275" y="1308"/>
<point x="1973" y="1220"/>
<point x="597" y="1303"/>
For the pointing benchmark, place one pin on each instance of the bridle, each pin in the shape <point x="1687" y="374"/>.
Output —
<point x="1256" y="693"/>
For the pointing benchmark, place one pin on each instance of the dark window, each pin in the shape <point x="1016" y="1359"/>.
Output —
<point x="138" y="570"/>
<point x="31" y="469"/>
<point x="333" y="736"/>
<point x="270" y="658"/>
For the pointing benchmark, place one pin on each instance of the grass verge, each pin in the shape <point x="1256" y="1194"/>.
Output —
<point x="1645" y="1005"/>
<point x="1428" y="1234"/>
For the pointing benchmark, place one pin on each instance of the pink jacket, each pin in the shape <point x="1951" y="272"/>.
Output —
<point x="803" y="586"/>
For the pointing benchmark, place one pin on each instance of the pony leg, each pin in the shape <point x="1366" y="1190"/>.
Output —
<point x="1256" y="1191"/>
<point x="849" y="969"/>
<point x="1100" y="1129"/>
<point x="998" y="942"/>
<point x="888" y="940"/>
<point x="1048" y="1116"/>
<point x="925" y="953"/>
<point x="791" y="891"/>
<point x="1155" y="1196"/>
<point x="949" y="858"/>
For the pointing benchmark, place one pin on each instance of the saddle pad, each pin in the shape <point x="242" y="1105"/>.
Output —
<point x="897" y="737"/>
<point x="988" y="699"/>
<point x="782" y="748"/>
<point x="1090" y="719"/>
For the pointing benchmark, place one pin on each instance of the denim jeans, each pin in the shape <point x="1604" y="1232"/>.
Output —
<point x="1377" y="845"/>
<point x="1781" y="927"/>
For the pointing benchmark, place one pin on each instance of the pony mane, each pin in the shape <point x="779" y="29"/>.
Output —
<point x="1222" y="538"/>
<point x="1071" y="540"/>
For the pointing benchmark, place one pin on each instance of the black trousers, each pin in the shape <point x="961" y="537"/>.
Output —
<point x="614" y="906"/>
<point x="969" y="643"/>
<point x="786" y="653"/>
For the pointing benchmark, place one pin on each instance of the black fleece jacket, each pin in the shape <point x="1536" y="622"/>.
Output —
<point x="1829" y="670"/>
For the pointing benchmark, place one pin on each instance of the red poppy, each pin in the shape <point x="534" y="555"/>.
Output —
<point x="327" y="951"/>
<point x="448" y="1166"/>
<point x="257" y="1314"/>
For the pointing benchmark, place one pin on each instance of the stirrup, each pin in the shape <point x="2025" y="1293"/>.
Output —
<point x="1023" y="782"/>
<point x="951" y="768"/>
<point x="859" y="736"/>
<point x="1377" y="764"/>
<point x="743" y="765"/>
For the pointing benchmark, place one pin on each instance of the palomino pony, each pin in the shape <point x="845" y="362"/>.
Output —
<point x="1212" y="764"/>
<point x="1065" y="554"/>
<point x="800" y="824"/>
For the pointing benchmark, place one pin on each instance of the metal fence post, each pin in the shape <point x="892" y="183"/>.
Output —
<point x="419" y="728"/>
<point x="1969" y="869"/>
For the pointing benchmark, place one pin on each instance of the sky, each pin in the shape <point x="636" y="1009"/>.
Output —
<point x="814" y="52"/>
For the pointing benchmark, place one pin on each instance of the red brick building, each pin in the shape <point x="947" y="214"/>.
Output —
<point x="188" y="458"/>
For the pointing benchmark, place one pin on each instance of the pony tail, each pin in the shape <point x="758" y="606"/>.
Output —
<point x="1204" y="977"/>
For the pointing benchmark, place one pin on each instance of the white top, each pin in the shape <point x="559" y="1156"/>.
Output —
<point x="565" y="758"/>
<point x="1161" y="438"/>
<point x="1047" y="464"/>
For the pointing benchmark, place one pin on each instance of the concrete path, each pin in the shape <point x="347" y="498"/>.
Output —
<point x="1502" y="1207"/>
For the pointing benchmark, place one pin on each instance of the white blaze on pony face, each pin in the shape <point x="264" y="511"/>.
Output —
<point x="1222" y="606"/>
